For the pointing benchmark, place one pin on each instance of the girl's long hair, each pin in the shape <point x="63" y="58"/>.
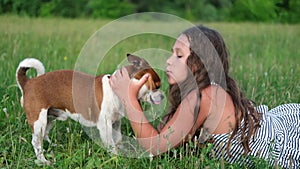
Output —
<point x="209" y="63"/>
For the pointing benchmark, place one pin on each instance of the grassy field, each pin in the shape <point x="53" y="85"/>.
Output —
<point x="265" y="59"/>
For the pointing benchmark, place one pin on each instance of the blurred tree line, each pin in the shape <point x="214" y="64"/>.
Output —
<point x="285" y="11"/>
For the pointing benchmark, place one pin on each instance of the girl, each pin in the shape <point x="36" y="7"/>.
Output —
<point x="206" y="103"/>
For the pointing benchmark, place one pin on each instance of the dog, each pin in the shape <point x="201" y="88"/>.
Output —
<point x="88" y="99"/>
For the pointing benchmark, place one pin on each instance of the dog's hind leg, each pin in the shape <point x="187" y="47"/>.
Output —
<point x="49" y="126"/>
<point x="52" y="115"/>
<point x="39" y="130"/>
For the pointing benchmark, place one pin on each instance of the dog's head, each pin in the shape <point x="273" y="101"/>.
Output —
<point x="150" y="91"/>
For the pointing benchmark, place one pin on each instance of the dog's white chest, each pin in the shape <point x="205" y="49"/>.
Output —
<point x="111" y="107"/>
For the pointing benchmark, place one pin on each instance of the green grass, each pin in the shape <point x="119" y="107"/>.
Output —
<point x="265" y="59"/>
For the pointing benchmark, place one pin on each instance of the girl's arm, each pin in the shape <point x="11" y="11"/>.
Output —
<point x="173" y="133"/>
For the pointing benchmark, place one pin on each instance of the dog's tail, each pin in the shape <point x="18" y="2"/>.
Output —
<point x="24" y="66"/>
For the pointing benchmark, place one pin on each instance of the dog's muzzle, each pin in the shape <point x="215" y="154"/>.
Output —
<point x="155" y="97"/>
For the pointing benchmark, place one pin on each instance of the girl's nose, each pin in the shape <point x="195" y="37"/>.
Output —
<point x="169" y="60"/>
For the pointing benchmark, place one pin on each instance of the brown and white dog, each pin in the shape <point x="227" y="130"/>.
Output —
<point x="87" y="99"/>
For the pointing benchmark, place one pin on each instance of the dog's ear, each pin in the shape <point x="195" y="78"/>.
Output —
<point x="137" y="61"/>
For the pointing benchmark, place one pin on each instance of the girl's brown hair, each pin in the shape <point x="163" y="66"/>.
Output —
<point x="209" y="63"/>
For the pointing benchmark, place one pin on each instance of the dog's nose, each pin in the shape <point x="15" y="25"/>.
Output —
<point x="156" y="97"/>
<point x="162" y="97"/>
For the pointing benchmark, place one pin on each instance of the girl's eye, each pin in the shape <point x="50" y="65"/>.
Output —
<point x="179" y="56"/>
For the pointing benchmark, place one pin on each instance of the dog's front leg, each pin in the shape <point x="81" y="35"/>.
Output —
<point x="117" y="133"/>
<point x="105" y="128"/>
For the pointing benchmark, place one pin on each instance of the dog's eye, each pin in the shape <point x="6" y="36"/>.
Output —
<point x="157" y="84"/>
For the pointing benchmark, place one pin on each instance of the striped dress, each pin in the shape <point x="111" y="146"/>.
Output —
<point x="277" y="140"/>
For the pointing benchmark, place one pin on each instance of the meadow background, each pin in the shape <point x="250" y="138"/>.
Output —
<point x="265" y="60"/>
<point x="280" y="11"/>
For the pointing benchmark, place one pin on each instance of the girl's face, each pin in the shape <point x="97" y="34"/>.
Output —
<point x="176" y="64"/>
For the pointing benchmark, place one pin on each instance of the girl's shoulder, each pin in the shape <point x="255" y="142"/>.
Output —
<point x="217" y="105"/>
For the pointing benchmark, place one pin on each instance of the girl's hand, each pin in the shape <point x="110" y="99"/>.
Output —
<point x="124" y="87"/>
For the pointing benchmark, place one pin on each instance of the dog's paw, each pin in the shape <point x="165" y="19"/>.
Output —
<point x="120" y="146"/>
<point x="114" y="151"/>
<point x="42" y="162"/>
<point x="53" y="144"/>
